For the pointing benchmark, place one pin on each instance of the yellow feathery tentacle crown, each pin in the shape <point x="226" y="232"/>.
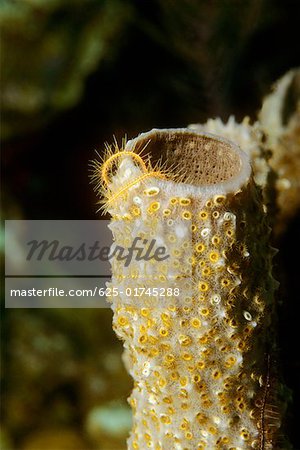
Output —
<point x="197" y="325"/>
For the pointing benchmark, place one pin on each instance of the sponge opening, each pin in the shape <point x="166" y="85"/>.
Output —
<point x="202" y="159"/>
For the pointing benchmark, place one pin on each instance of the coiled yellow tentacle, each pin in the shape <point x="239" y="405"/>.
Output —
<point x="107" y="163"/>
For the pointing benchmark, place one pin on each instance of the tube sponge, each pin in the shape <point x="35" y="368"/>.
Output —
<point x="280" y="121"/>
<point x="197" y="326"/>
<point x="273" y="145"/>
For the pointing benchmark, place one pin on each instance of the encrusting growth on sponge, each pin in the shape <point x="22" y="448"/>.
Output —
<point x="197" y="325"/>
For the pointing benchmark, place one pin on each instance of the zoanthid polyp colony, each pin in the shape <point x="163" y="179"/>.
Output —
<point x="198" y="326"/>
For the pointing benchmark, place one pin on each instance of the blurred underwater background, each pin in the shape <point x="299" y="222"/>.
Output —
<point x="74" y="74"/>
